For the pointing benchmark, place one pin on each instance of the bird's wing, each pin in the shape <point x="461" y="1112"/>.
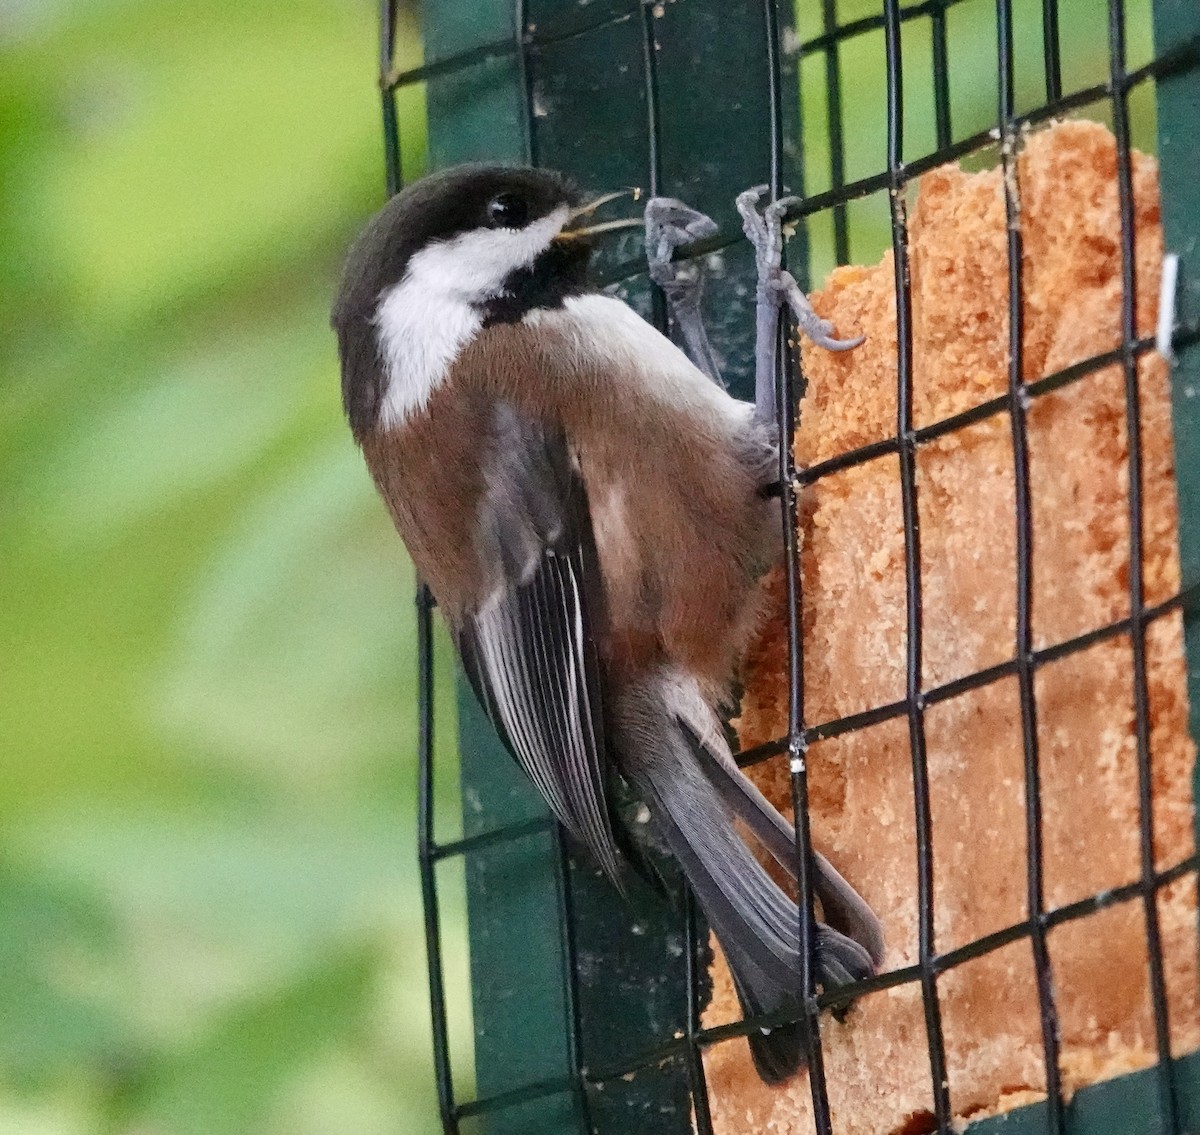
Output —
<point x="528" y="648"/>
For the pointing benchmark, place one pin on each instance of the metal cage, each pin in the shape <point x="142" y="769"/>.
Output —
<point x="572" y="990"/>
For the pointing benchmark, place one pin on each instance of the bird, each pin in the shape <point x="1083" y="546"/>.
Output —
<point x="592" y="512"/>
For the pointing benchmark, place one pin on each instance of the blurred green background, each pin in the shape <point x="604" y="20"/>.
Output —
<point x="209" y="912"/>
<point x="208" y="902"/>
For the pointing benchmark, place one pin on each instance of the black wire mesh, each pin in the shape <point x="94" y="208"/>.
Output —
<point x="527" y="46"/>
<point x="1024" y="509"/>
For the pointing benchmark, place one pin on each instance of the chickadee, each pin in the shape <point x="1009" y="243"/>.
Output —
<point x="591" y="511"/>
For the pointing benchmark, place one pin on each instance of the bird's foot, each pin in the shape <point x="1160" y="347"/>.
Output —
<point x="776" y="285"/>
<point x="670" y="224"/>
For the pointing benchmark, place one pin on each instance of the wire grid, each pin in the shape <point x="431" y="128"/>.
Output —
<point x="905" y="443"/>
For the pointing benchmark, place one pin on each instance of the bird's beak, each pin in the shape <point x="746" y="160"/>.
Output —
<point x="573" y="230"/>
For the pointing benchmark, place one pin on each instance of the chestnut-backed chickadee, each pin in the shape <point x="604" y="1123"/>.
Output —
<point x="591" y="511"/>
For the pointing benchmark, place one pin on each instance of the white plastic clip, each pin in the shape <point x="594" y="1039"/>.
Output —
<point x="1166" y="306"/>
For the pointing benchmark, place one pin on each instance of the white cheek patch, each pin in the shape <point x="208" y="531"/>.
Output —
<point x="420" y="335"/>
<point x="474" y="265"/>
<point x="425" y="320"/>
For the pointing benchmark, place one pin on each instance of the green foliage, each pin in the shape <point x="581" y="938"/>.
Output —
<point x="47" y="932"/>
<point x="207" y="868"/>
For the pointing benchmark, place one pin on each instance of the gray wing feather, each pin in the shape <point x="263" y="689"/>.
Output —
<point x="528" y="649"/>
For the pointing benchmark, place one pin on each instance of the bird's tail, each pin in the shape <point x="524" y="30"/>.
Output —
<point x="673" y="752"/>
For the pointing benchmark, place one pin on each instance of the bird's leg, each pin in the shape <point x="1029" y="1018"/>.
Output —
<point x="776" y="287"/>
<point x="669" y="224"/>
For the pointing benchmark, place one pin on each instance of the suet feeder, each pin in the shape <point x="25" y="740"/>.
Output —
<point x="983" y="641"/>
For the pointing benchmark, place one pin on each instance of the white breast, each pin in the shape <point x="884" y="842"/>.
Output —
<point x="610" y="336"/>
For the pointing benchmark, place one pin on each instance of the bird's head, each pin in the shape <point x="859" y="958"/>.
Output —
<point x="460" y="249"/>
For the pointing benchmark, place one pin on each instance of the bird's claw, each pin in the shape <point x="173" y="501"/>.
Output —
<point x="669" y="224"/>
<point x="808" y="322"/>
<point x="776" y="285"/>
<point x="764" y="229"/>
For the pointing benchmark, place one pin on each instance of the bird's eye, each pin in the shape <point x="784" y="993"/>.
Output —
<point x="507" y="211"/>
